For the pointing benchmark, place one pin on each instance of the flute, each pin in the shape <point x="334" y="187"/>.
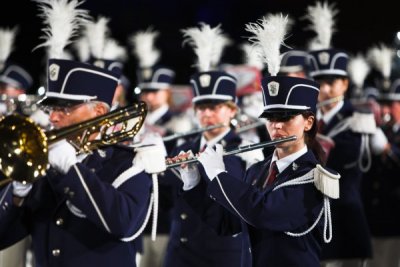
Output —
<point x="171" y="163"/>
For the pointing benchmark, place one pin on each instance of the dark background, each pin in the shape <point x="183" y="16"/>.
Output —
<point x="360" y="25"/>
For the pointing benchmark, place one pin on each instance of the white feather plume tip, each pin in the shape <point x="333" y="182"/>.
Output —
<point x="252" y="56"/>
<point x="82" y="48"/>
<point x="322" y="18"/>
<point x="97" y="33"/>
<point x="63" y="20"/>
<point x="7" y="37"/>
<point x="144" y="49"/>
<point x="208" y="44"/>
<point x="269" y="34"/>
<point x="381" y="57"/>
<point x="358" y="69"/>
<point x="114" y="51"/>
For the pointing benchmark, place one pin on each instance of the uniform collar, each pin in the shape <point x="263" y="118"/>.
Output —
<point x="283" y="163"/>
<point x="212" y="142"/>
<point x="327" y="117"/>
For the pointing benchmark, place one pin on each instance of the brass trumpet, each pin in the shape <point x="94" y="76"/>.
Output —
<point x="24" y="145"/>
<point x="176" y="161"/>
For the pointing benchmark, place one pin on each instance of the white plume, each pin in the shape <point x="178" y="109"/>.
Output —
<point x="82" y="48"/>
<point x="63" y="20"/>
<point x="114" y="51"/>
<point x="208" y="44"/>
<point x="97" y="33"/>
<point x="269" y="34"/>
<point x="7" y="38"/>
<point x="252" y="56"/>
<point x="381" y="57"/>
<point x="322" y="18"/>
<point x="144" y="49"/>
<point x="358" y="69"/>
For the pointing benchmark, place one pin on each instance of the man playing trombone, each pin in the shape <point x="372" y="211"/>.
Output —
<point x="88" y="208"/>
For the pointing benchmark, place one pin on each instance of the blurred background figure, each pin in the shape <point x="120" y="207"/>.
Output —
<point x="294" y="64"/>
<point x="348" y="130"/>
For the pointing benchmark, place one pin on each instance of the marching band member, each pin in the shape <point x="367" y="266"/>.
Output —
<point x="192" y="242"/>
<point x="15" y="81"/>
<point x="294" y="64"/>
<point x="87" y="208"/>
<point x="276" y="207"/>
<point x="346" y="128"/>
<point x="381" y="185"/>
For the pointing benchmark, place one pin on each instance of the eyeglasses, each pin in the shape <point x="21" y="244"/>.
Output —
<point x="280" y="117"/>
<point x="64" y="110"/>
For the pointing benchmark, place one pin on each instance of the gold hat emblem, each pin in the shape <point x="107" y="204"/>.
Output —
<point x="273" y="88"/>
<point x="54" y="70"/>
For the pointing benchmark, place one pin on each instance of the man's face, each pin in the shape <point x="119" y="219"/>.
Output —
<point x="61" y="117"/>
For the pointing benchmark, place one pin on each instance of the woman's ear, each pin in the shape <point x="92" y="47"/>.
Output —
<point x="309" y="123"/>
<point x="100" y="109"/>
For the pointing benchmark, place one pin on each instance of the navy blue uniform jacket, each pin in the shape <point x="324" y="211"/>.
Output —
<point x="63" y="218"/>
<point x="192" y="242"/>
<point x="263" y="215"/>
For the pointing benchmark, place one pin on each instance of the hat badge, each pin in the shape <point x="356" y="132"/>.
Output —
<point x="205" y="80"/>
<point x="146" y="73"/>
<point x="54" y="70"/>
<point x="323" y="58"/>
<point x="99" y="63"/>
<point x="273" y="88"/>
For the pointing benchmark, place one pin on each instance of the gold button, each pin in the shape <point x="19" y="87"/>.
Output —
<point x="183" y="216"/>
<point x="59" y="221"/>
<point x="183" y="239"/>
<point x="56" y="252"/>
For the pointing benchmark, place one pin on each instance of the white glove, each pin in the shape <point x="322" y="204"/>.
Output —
<point x="190" y="175"/>
<point x="252" y="156"/>
<point x="62" y="155"/>
<point x="378" y="142"/>
<point x="151" y="154"/>
<point x="20" y="189"/>
<point x="212" y="161"/>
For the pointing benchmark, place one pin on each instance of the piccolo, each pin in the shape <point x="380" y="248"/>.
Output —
<point x="330" y="101"/>
<point x="192" y="132"/>
<point x="171" y="163"/>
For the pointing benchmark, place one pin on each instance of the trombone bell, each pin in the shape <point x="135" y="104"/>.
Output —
<point x="23" y="153"/>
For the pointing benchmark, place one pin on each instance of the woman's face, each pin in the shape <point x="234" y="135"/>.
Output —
<point x="294" y="125"/>
<point x="155" y="99"/>
<point x="331" y="89"/>
<point x="213" y="114"/>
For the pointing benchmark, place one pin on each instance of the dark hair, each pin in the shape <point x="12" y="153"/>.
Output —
<point x="311" y="141"/>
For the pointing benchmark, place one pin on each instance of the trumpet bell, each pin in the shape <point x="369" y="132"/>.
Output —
<point x="23" y="153"/>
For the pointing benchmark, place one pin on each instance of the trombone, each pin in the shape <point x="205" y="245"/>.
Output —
<point x="172" y="162"/>
<point x="24" y="145"/>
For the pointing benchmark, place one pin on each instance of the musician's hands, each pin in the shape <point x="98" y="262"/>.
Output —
<point x="62" y="155"/>
<point x="212" y="161"/>
<point x="379" y="142"/>
<point x="189" y="174"/>
<point x="151" y="155"/>
<point x="21" y="190"/>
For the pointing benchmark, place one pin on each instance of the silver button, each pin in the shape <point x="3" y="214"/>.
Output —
<point x="93" y="170"/>
<point x="183" y="239"/>
<point x="60" y="221"/>
<point x="183" y="216"/>
<point x="56" y="252"/>
<point x="66" y="190"/>
<point x="71" y="194"/>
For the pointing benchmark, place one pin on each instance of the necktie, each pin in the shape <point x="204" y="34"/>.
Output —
<point x="321" y="125"/>
<point x="273" y="172"/>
